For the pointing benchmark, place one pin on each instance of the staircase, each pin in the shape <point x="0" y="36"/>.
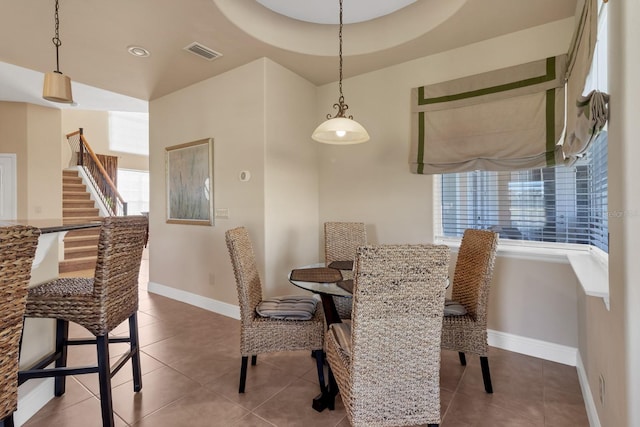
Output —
<point x="80" y="246"/>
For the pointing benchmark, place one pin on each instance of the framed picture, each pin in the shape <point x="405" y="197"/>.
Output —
<point x="189" y="170"/>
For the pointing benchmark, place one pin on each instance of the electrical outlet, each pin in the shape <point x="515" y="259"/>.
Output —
<point x="212" y="279"/>
<point x="601" y="388"/>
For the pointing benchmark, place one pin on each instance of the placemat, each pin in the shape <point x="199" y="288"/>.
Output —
<point x="347" y="285"/>
<point x="341" y="265"/>
<point x="316" y="274"/>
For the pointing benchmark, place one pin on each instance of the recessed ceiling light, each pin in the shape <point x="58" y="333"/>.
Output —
<point x="138" y="51"/>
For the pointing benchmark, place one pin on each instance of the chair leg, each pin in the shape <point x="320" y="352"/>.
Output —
<point x="135" y="352"/>
<point x="333" y="391"/>
<point x="8" y="421"/>
<point x="254" y="360"/>
<point x="62" y="335"/>
<point x="486" y="375"/>
<point x="21" y="335"/>
<point x="243" y="373"/>
<point x="463" y="359"/>
<point x="104" y="376"/>
<point x="319" y="355"/>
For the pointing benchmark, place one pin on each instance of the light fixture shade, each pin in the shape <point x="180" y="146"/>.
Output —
<point x="340" y="131"/>
<point x="57" y="88"/>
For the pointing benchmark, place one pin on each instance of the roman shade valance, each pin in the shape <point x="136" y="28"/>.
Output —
<point x="507" y="119"/>
<point x="588" y="114"/>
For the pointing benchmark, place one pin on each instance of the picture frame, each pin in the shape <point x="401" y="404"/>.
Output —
<point x="189" y="181"/>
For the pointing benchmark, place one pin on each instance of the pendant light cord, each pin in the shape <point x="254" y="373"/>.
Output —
<point x="56" y="39"/>
<point x="339" y="51"/>
<point x="340" y="105"/>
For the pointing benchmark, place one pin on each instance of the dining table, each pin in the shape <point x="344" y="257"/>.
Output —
<point x="327" y="281"/>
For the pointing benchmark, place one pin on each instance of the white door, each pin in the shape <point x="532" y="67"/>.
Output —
<point x="8" y="187"/>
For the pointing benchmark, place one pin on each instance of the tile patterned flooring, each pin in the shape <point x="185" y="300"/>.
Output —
<point x="191" y="364"/>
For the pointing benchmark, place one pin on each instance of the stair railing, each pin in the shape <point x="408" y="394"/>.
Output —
<point x="100" y="180"/>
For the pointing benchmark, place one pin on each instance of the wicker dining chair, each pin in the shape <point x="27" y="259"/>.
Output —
<point x="267" y="334"/>
<point x="386" y="363"/>
<point x="99" y="304"/>
<point x="467" y="333"/>
<point x="17" y="251"/>
<point x="341" y="240"/>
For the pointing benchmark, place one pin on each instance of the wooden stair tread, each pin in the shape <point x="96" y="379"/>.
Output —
<point x="75" y="211"/>
<point x="81" y="204"/>
<point x="76" y="196"/>
<point x="80" y="219"/>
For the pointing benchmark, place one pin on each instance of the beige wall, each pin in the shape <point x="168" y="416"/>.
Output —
<point x="33" y="134"/>
<point x="13" y="139"/>
<point x="95" y="125"/>
<point x="610" y="340"/>
<point x="291" y="177"/>
<point x="229" y="108"/>
<point x="44" y="187"/>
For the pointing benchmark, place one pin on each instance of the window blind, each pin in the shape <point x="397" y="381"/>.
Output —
<point x="552" y="204"/>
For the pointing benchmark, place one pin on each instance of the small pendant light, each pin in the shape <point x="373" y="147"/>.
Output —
<point x="340" y="129"/>
<point x="57" y="86"/>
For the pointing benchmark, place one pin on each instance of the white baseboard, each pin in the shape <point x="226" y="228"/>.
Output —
<point x="587" y="396"/>
<point x="210" y="304"/>
<point x="33" y="400"/>
<point x="533" y="347"/>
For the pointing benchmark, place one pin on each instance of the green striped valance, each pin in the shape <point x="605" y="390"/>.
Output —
<point x="506" y="119"/>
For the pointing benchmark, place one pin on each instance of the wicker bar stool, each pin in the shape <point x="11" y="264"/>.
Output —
<point x="267" y="334"/>
<point x="17" y="251"/>
<point x="467" y="333"/>
<point x="386" y="363"/>
<point x="341" y="240"/>
<point x="99" y="304"/>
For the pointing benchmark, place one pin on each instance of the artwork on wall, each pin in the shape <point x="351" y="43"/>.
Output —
<point x="189" y="169"/>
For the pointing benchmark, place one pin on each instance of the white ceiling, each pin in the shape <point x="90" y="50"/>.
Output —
<point x="95" y="35"/>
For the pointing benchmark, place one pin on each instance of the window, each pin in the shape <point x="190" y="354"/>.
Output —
<point x="556" y="205"/>
<point x="129" y="132"/>
<point x="559" y="205"/>
<point x="133" y="186"/>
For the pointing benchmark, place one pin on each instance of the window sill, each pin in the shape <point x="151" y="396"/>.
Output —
<point x="592" y="273"/>
<point x="589" y="264"/>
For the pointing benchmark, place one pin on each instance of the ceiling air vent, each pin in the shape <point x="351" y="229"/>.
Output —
<point x="202" y="51"/>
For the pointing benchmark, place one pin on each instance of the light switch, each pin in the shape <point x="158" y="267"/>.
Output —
<point x="222" y="213"/>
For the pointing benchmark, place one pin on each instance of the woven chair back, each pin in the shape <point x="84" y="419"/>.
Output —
<point x="245" y="270"/>
<point x="341" y="240"/>
<point x="115" y="287"/>
<point x="396" y="329"/>
<point x="17" y="250"/>
<point x="474" y="269"/>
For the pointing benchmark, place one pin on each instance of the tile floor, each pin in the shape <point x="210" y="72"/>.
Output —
<point x="191" y="364"/>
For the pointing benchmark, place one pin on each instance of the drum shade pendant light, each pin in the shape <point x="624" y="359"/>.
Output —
<point x="57" y="86"/>
<point x="340" y="129"/>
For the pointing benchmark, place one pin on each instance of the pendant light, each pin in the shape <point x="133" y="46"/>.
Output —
<point x="340" y="129"/>
<point x="57" y="86"/>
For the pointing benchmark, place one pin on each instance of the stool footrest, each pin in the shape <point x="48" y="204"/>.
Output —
<point x="54" y="372"/>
